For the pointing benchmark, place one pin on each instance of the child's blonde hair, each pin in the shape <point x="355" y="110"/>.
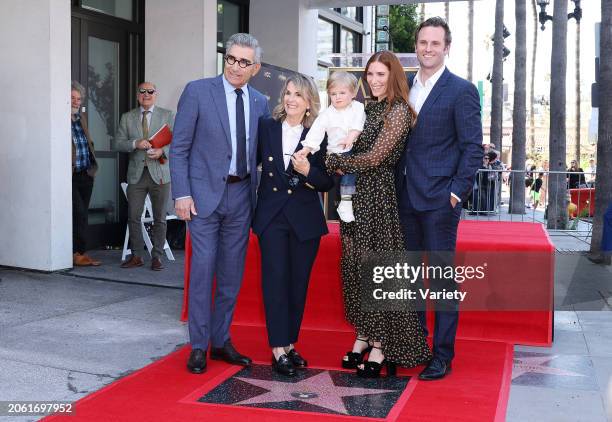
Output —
<point x="340" y="77"/>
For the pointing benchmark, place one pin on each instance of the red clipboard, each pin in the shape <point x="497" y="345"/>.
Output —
<point x="161" y="138"/>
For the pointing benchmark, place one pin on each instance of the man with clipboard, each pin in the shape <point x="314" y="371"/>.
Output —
<point x="148" y="171"/>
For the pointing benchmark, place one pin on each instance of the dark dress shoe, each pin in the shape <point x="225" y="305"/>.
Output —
<point x="297" y="360"/>
<point x="134" y="261"/>
<point x="283" y="365"/>
<point x="229" y="355"/>
<point x="156" y="264"/>
<point x="197" y="361"/>
<point x="601" y="260"/>
<point x="437" y="369"/>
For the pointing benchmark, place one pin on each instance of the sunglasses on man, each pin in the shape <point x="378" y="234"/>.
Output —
<point x="146" y="91"/>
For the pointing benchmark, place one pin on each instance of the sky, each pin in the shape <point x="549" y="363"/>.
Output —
<point x="484" y="27"/>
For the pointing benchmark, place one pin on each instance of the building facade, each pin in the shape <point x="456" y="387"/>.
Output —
<point x="109" y="46"/>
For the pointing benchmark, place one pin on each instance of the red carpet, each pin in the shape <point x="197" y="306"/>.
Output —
<point x="477" y="390"/>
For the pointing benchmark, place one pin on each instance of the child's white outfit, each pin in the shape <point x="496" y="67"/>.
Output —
<point x="337" y="124"/>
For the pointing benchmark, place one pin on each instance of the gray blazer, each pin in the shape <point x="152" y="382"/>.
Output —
<point x="201" y="147"/>
<point x="130" y="130"/>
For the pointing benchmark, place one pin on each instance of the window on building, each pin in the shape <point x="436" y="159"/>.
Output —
<point x="228" y="21"/>
<point x="232" y="17"/>
<point x="355" y="13"/>
<point x="333" y="37"/>
<point x="325" y="38"/>
<point x="118" y="8"/>
<point x="348" y="42"/>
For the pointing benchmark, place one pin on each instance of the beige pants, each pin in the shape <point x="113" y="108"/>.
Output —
<point x="136" y="194"/>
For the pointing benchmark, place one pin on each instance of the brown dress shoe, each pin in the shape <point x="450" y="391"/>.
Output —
<point x="156" y="264"/>
<point x="134" y="261"/>
<point x="92" y="262"/>
<point x="77" y="260"/>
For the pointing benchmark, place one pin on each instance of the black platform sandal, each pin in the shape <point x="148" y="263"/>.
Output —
<point x="372" y="369"/>
<point x="352" y="359"/>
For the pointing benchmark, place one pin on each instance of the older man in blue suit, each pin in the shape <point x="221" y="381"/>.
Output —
<point x="436" y="173"/>
<point x="214" y="177"/>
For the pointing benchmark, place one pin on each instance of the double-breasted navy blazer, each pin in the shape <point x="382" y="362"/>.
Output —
<point x="300" y="204"/>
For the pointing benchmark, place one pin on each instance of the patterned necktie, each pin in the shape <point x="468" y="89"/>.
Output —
<point x="241" y="160"/>
<point x="145" y="124"/>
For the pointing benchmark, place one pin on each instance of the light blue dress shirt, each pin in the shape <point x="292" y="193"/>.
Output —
<point x="230" y="98"/>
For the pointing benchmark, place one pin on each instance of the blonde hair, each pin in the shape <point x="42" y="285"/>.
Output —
<point x="342" y="78"/>
<point x="307" y="88"/>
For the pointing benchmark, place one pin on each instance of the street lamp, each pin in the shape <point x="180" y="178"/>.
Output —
<point x="543" y="16"/>
<point x="576" y="14"/>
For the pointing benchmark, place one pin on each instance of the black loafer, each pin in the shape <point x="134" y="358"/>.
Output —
<point x="197" y="361"/>
<point x="228" y="354"/>
<point x="437" y="369"/>
<point x="297" y="360"/>
<point x="283" y="366"/>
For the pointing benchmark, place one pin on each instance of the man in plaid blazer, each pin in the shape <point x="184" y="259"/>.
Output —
<point x="443" y="153"/>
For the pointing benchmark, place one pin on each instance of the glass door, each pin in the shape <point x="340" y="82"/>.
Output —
<point x="106" y="80"/>
<point x="105" y="58"/>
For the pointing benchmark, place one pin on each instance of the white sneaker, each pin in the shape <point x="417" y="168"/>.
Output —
<point x="345" y="211"/>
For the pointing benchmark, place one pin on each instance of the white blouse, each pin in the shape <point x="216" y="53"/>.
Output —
<point x="291" y="138"/>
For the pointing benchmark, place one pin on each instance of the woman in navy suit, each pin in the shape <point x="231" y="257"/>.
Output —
<point x="289" y="219"/>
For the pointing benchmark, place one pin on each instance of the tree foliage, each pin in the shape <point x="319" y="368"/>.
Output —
<point x="403" y="21"/>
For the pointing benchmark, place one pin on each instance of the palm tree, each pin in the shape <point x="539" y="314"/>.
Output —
<point x="497" y="77"/>
<point x="557" y="188"/>
<point x="470" y="64"/>
<point x="603" y="192"/>
<point x="577" y="90"/>
<point x="422" y="14"/>
<point x="517" y="200"/>
<point x="532" y="84"/>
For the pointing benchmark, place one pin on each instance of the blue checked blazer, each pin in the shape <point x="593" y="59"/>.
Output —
<point x="444" y="149"/>
<point x="201" y="149"/>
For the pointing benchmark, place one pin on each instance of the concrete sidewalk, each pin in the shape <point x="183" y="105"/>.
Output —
<point x="65" y="335"/>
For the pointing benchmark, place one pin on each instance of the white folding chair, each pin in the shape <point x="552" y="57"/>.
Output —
<point x="147" y="217"/>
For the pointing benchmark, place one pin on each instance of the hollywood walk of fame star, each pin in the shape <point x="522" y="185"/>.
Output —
<point x="318" y="390"/>
<point x="525" y="365"/>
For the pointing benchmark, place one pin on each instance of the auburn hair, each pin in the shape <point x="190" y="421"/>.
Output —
<point x="397" y="84"/>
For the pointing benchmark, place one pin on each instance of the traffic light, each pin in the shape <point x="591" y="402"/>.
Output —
<point x="505" y="34"/>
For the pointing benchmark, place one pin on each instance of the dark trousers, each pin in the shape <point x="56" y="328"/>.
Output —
<point x="286" y="264"/>
<point x="435" y="231"/>
<point x="82" y="186"/>
<point x="136" y="194"/>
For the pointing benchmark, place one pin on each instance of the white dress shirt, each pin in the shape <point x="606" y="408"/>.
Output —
<point x="419" y="91"/>
<point x="337" y="124"/>
<point x="291" y="138"/>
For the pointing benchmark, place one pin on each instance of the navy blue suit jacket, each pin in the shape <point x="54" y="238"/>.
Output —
<point x="444" y="149"/>
<point x="300" y="204"/>
<point x="201" y="148"/>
